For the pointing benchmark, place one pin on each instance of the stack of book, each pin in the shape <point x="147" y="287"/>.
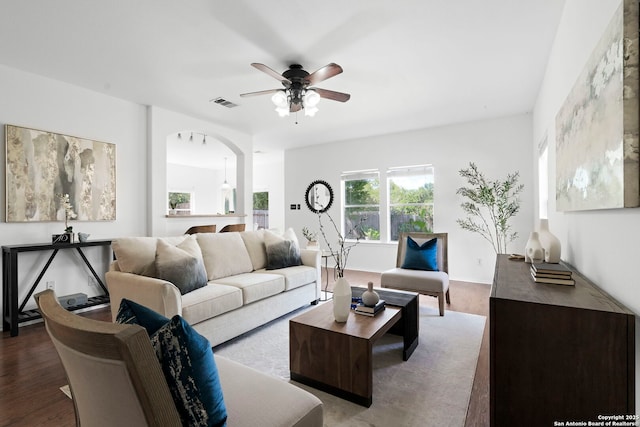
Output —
<point x="368" y="310"/>
<point x="556" y="274"/>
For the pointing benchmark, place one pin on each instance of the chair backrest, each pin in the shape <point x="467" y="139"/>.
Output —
<point x="233" y="227"/>
<point x="420" y="238"/>
<point x="113" y="373"/>
<point x="201" y="229"/>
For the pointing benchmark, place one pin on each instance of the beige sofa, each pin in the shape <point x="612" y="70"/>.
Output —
<point x="240" y="295"/>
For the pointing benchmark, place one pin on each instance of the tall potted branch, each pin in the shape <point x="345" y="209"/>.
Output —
<point x="489" y="206"/>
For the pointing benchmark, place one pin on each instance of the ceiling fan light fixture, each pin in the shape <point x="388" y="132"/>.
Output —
<point x="311" y="98"/>
<point x="280" y="99"/>
<point x="310" y="111"/>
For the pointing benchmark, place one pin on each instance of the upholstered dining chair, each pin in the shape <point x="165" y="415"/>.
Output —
<point x="421" y="266"/>
<point x="201" y="229"/>
<point x="233" y="227"/>
<point x="113" y="373"/>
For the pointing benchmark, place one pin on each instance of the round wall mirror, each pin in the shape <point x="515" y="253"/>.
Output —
<point x="319" y="196"/>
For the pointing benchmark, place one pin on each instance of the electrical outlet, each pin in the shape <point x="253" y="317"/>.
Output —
<point x="51" y="285"/>
<point x="92" y="282"/>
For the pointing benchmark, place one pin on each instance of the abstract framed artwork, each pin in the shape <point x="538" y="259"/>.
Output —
<point x="41" y="165"/>
<point x="597" y="163"/>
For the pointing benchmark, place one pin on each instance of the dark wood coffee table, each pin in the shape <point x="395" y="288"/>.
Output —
<point x="337" y="357"/>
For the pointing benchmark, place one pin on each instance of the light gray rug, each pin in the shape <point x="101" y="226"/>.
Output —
<point x="431" y="389"/>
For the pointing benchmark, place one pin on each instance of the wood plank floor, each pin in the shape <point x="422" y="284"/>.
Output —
<point x="31" y="374"/>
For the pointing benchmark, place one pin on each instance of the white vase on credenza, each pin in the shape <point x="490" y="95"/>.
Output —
<point x="533" y="251"/>
<point x="550" y="243"/>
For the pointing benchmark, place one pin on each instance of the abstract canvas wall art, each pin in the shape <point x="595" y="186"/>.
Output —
<point x="41" y="165"/>
<point x="597" y="127"/>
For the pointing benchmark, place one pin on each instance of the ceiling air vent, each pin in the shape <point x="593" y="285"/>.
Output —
<point x="223" y="102"/>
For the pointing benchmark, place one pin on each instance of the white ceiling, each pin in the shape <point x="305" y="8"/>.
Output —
<point x="408" y="64"/>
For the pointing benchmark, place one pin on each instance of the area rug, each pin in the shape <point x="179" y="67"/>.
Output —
<point x="432" y="388"/>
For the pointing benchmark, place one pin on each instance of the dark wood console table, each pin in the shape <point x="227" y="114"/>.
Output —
<point x="557" y="353"/>
<point x="12" y="313"/>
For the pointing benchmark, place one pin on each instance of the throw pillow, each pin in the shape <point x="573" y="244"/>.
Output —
<point x="225" y="254"/>
<point x="282" y="251"/>
<point x="421" y="257"/>
<point x="187" y="362"/>
<point x="132" y="313"/>
<point x="181" y="265"/>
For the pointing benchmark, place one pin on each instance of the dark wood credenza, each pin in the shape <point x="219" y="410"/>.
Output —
<point x="557" y="353"/>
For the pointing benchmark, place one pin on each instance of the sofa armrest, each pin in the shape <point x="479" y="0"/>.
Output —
<point x="159" y="295"/>
<point x="312" y="258"/>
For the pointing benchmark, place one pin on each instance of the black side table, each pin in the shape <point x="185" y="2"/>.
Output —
<point x="12" y="314"/>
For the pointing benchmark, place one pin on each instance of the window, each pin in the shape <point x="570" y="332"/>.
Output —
<point x="179" y="203"/>
<point x="261" y="209"/>
<point x="410" y="198"/>
<point x="361" y="195"/>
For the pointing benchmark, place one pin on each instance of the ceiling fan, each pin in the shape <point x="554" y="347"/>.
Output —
<point x="297" y="93"/>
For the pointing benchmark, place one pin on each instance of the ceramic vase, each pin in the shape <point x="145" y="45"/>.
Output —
<point x="370" y="297"/>
<point x="550" y="243"/>
<point x="341" y="300"/>
<point x="533" y="252"/>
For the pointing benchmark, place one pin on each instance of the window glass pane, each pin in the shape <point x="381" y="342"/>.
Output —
<point x="261" y="209"/>
<point x="410" y="200"/>
<point x="361" y="205"/>
<point x="362" y="222"/>
<point x="179" y="203"/>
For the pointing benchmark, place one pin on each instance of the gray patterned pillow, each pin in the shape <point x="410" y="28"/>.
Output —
<point x="282" y="251"/>
<point x="181" y="265"/>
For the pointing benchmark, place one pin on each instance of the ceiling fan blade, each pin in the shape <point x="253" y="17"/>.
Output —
<point x="331" y="94"/>
<point x="261" y="92"/>
<point x="271" y="72"/>
<point x="323" y="73"/>
<point x="295" y="107"/>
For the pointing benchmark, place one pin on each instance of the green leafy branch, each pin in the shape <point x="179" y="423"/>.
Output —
<point x="490" y="206"/>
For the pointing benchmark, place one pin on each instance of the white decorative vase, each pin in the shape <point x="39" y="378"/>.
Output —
<point x="550" y="243"/>
<point x="370" y="297"/>
<point x="533" y="252"/>
<point x="341" y="300"/>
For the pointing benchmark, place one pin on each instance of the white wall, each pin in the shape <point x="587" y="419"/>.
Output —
<point x="497" y="146"/>
<point x="268" y="175"/>
<point x="36" y="102"/>
<point x="603" y="245"/>
<point x="163" y="122"/>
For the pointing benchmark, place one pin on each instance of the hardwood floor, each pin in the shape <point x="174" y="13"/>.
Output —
<point x="31" y="373"/>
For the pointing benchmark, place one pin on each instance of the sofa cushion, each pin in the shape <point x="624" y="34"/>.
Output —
<point x="258" y="399"/>
<point x="282" y="250"/>
<point x="181" y="265"/>
<point x="254" y="241"/>
<point x="421" y="256"/>
<point x="210" y="301"/>
<point x="138" y="254"/>
<point x="294" y="277"/>
<point x="188" y="365"/>
<point x="255" y="286"/>
<point x="224" y="254"/>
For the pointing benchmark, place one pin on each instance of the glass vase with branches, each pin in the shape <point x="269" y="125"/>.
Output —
<point x="340" y="252"/>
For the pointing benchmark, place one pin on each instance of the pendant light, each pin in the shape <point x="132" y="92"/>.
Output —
<point x="225" y="184"/>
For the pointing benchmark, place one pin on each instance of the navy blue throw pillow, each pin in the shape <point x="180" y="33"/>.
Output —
<point x="187" y="362"/>
<point x="421" y="257"/>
